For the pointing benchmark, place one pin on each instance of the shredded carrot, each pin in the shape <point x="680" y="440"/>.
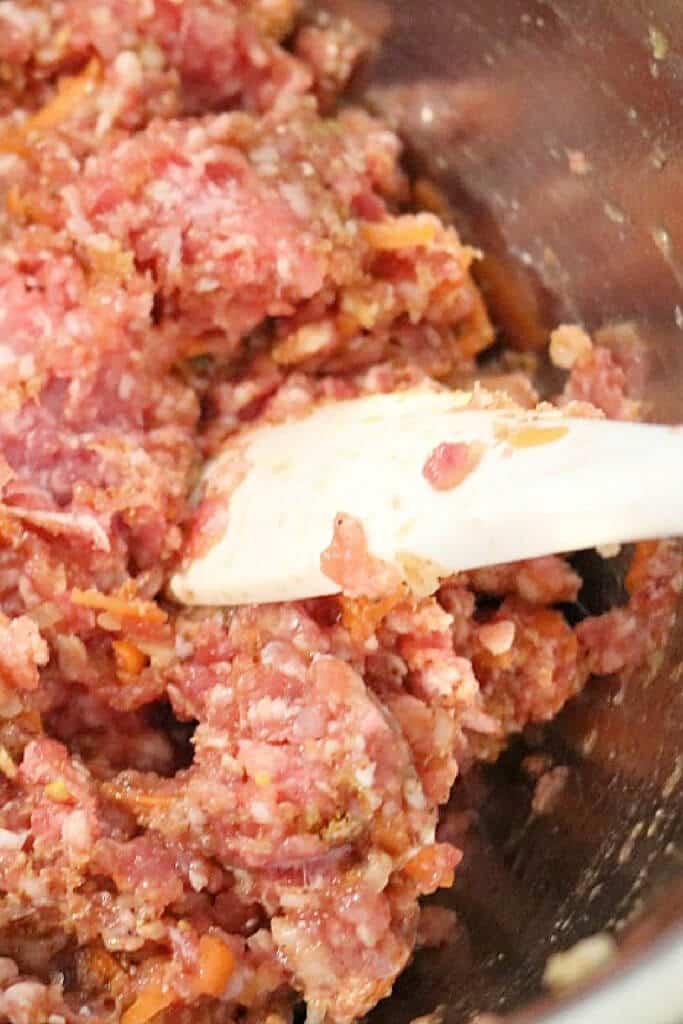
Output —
<point x="216" y="965"/>
<point x="476" y="332"/>
<point x="361" y="615"/>
<point x="30" y="205"/>
<point x="71" y="91"/>
<point x="143" y="800"/>
<point x="150" y="1001"/>
<point x="113" y="262"/>
<point x="129" y="657"/>
<point x="531" y="437"/>
<point x="346" y="326"/>
<point x="131" y="608"/>
<point x="552" y="625"/>
<point x="137" y="802"/>
<point x="401" y="232"/>
<point x="13" y="202"/>
<point x="310" y="340"/>
<point x="12" y="141"/>
<point x="425" y="869"/>
<point x="640" y="565"/>
<point x="391" y="839"/>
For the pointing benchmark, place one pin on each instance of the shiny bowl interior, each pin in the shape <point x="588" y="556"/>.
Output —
<point x="495" y="99"/>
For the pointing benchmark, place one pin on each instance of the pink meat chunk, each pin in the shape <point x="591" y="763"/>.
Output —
<point x="198" y="55"/>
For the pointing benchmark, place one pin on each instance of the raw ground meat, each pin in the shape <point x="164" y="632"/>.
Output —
<point x="214" y="814"/>
<point x="173" y="58"/>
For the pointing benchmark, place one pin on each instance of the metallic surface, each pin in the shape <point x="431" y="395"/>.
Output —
<point x="556" y="130"/>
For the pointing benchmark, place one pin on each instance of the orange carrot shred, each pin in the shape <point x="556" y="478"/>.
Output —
<point x="476" y="332"/>
<point x="13" y="201"/>
<point x="216" y="965"/>
<point x="640" y="564"/>
<point x="424" y="869"/>
<point x="532" y="437"/>
<point x="361" y="615"/>
<point x="145" y="611"/>
<point x="400" y="232"/>
<point x="129" y="658"/>
<point x="70" y="93"/>
<point x="150" y="1001"/>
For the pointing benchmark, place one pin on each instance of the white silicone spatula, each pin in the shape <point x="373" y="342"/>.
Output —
<point x="530" y="484"/>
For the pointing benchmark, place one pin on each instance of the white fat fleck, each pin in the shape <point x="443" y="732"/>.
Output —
<point x="198" y="876"/>
<point x="76" y="830"/>
<point x="196" y="137"/>
<point x="292" y="900"/>
<point x="126" y="385"/>
<point x="358" y="743"/>
<point x="284" y="267"/>
<point x="183" y="647"/>
<point x="8" y="163"/>
<point x="608" y="550"/>
<point x="268" y="709"/>
<point x="365" y="776"/>
<point x="236" y="243"/>
<point x="76" y="222"/>
<point x="12" y="840"/>
<point x="297" y="199"/>
<point x="151" y="57"/>
<point x="414" y="795"/>
<point x="207" y="284"/>
<point x="26" y="366"/>
<point x="261" y="812"/>
<point x="14" y="13"/>
<point x="195" y="817"/>
<point x="162" y="191"/>
<point x="263" y="155"/>
<point x="73" y="323"/>
<point x="365" y="935"/>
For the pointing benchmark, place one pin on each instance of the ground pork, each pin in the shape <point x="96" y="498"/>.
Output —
<point x="215" y="814"/>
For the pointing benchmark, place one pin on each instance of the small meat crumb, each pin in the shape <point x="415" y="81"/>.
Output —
<point x="568" y="344"/>
<point x="548" y="789"/>
<point x="497" y="637"/>
<point x="437" y="927"/>
<point x="311" y="340"/>
<point x="450" y="463"/>
<point x="608" y="550"/>
<point x="348" y="562"/>
<point x="566" y="970"/>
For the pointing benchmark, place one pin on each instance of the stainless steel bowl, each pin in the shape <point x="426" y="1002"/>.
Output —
<point x="556" y="130"/>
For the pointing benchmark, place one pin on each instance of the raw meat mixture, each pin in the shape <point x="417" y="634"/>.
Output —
<point x="212" y="815"/>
